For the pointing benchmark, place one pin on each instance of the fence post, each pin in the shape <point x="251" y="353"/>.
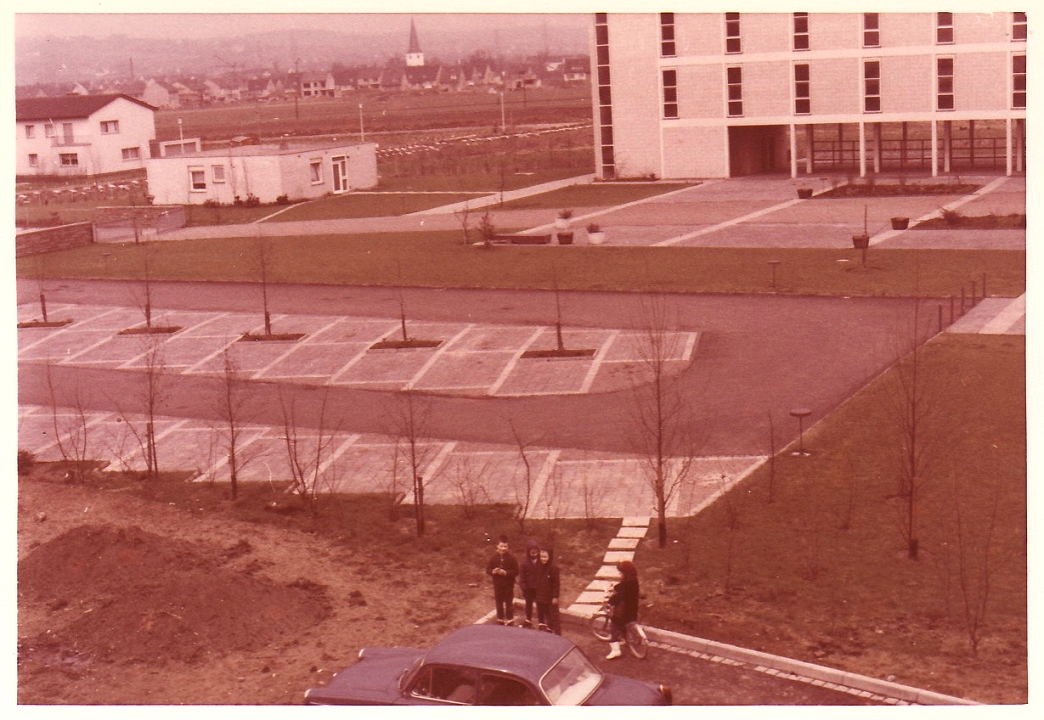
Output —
<point x="984" y="286"/>
<point x="940" y="319"/>
<point x="951" y="309"/>
<point x="962" y="299"/>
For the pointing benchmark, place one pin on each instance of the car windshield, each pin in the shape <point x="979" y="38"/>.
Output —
<point x="408" y="674"/>
<point x="571" y="680"/>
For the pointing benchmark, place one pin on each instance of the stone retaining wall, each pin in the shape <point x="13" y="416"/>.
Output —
<point x="51" y="239"/>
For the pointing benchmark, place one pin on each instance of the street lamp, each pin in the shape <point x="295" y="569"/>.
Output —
<point x="181" y="136"/>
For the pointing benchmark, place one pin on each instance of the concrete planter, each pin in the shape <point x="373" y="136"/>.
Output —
<point x="900" y="223"/>
<point x="804" y="193"/>
<point x="565" y="238"/>
<point x="596" y="238"/>
<point x="860" y="242"/>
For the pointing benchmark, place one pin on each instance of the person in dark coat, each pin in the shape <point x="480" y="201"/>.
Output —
<point x="624" y="602"/>
<point x="548" y="588"/>
<point x="527" y="577"/>
<point x="502" y="568"/>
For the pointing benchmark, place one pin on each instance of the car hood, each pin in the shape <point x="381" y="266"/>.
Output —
<point x="618" y="690"/>
<point x="373" y="680"/>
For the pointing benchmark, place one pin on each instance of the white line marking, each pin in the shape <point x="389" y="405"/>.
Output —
<point x="510" y="366"/>
<point x="596" y="363"/>
<point x="726" y="224"/>
<point x="435" y="357"/>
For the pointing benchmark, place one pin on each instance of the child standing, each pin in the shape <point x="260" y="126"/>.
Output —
<point x="547" y="591"/>
<point x="527" y="577"/>
<point x="502" y="568"/>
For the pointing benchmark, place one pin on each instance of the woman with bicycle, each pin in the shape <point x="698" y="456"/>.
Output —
<point x="624" y="604"/>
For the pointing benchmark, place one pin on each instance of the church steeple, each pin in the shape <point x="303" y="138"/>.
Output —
<point x="414" y="56"/>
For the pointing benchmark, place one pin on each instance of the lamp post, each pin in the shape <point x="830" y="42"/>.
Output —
<point x="774" y="264"/>
<point x="181" y="136"/>
<point x="362" y="135"/>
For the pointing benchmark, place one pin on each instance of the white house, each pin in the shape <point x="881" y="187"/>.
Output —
<point x="82" y="134"/>
<point x="725" y="94"/>
<point x="266" y="172"/>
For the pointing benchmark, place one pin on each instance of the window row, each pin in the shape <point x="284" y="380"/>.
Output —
<point x="198" y="174"/>
<point x="107" y="127"/>
<point x="945" y="96"/>
<point x="944" y="33"/>
<point x="73" y="159"/>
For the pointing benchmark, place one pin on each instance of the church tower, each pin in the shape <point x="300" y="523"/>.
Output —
<point x="414" y="56"/>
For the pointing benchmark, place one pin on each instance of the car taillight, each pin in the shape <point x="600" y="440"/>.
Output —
<point x="668" y="696"/>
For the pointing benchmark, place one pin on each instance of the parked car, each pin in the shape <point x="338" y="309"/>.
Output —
<point x="484" y="665"/>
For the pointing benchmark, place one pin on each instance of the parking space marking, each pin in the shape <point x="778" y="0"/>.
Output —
<point x="727" y="224"/>
<point x="596" y="362"/>
<point x="510" y="366"/>
<point x="441" y="350"/>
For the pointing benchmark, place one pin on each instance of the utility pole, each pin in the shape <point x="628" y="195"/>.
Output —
<point x="297" y="87"/>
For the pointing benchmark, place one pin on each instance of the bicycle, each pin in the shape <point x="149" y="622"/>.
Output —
<point x="601" y="624"/>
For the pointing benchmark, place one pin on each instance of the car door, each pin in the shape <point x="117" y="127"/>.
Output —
<point x="445" y="684"/>
<point x="505" y="690"/>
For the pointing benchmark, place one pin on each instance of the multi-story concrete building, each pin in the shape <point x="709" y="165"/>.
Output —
<point x="725" y="94"/>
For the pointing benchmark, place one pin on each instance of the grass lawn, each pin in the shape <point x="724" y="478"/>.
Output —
<point x="479" y="181"/>
<point x="809" y="561"/>
<point x="440" y="259"/>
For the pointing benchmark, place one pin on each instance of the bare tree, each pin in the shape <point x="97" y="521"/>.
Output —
<point x="913" y="410"/>
<point x="412" y="448"/>
<point x="231" y="403"/>
<point x="70" y="433"/>
<point x="306" y="452"/>
<point x="975" y="565"/>
<point x="464" y="216"/>
<point x="154" y="390"/>
<point x="468" y="477"/>
<point x="524" y="490"/>
<point x="732" y="514"/>
<point x="262" y="249"/>
<point x="665" y="438"/>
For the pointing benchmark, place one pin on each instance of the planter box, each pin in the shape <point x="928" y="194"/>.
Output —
<point x="596" y="238"/>
<point x="804" y="193"/>
<point x="565" y="238"/>
<point x="860" y="242"/>
<point x="900" y="223"/>
<point x="523" y="239"/>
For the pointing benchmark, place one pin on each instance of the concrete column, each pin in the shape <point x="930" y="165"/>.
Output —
<point x="862" y="149"/>
<point x="793" y="151"/>
<point x="1008" y="149"/>
<point x="811" y="147"/>
<point x="877" y="148"/>
<point x="947" y="144"/>
<point x="935" y="148"/>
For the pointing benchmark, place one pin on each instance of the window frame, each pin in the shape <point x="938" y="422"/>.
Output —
<point x="110" y="127"/>
<point x="1016" y="90"/>
<point x="802" y="89"/>
<point x="34" y="160"/>
<point x="669" y="93"/>
<point x="668" y="42"/>
<point x="69" y="159"/>
<point x="217" y="174"/>
<point x="944" y="28"/>
<point x="131" y="153"/>
<point x="1019" y="27"/>
<point x="49" y="130"/>
<point x="871" y="30"/>
<point x="801" y="39"/>
<point x="872" y="86"/>
<point x="734" y="91"/>
<point x="199" y="171"/>
<point x="315" y="171"/>
<point x="947" y="96"/>
<point x="733" y="40"/>
<point x="30" y="131"/>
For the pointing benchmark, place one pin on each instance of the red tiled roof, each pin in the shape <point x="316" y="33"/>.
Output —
<point x="66" y="107"/>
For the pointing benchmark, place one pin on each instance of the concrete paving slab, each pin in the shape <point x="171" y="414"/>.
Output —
<point x="619" y="543"/>
<point x="476" y="371"/>
<point x="546" y="376"/>
<point x="312" y="359"/>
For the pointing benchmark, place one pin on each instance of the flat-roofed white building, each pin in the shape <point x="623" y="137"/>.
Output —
<point x="687" y="95"/>
<point x="267" y="172"/>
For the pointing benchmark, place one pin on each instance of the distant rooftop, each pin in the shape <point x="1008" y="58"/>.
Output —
<point x="287" y="148"/>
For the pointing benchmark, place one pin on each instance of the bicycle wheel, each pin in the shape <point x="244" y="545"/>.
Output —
<point x="637" y="642"/>
<point x="602" y="626"/>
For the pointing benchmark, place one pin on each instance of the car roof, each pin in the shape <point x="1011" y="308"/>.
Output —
<point x="527" y="653"/>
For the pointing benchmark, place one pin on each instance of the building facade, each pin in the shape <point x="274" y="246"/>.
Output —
<point x="82" y="134"/>
<point x="266" y="172"/>
<point x="726" y="94"/>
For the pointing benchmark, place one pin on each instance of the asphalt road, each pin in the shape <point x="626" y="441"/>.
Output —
<point x="758" y="356"/>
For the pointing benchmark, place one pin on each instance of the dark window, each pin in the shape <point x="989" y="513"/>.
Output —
<point x="944" y="28"/>
<point x="667" y="48"/>
<point x="802" y="93"/>
<point x="603" y="74"/>
<point x="945" y="77"/>
<point x="801" y="31"/>
<point x="732" y="33"/>
<point x="872" y="86"/>
<point x="1018" y="81"/>
<point x="605" y="97"/>
<point x="871" y="30"/>
<point x="602" y="54"/>
<point x="1018" y="26"/>
<point x="607" y="135"/>
<point x="735" y="91"/>
<point x="670" y="93"/>
<point x="601" y="35"/>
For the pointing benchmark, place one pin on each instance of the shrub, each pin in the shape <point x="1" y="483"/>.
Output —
<point x="952" y="217"/>
<point x="26" y="460"/>
<point x="283" y="200"/>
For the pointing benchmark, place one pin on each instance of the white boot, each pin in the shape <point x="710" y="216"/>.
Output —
<point x="614" y="651"/>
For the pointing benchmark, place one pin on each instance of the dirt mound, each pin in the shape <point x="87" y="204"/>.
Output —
<point x="124" y="594"/>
